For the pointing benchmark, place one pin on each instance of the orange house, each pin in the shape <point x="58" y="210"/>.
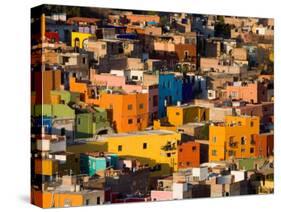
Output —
<point x="264" y="144"/>
<point x="189" y="155"/>
<point x="57" y="200"/>
<point x="128" y="112"/>
<point x="83" y="88"/>
<point x="42" y="82"/>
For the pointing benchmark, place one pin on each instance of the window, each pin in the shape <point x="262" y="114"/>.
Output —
<point x="180" y="149"/>
<point x="78" y="121"/>
<point x="168" y="155"/>
<point x="186" y="54"/>
<point x="141" y="106"/>
<point x="135" y="78"/>
<point x="252" y="150"/>
<point x="119" y="148"/>
<point x="252" y="123"/>
<point x="214" y="139"/>
<point x="214" y="152"/>
<point x="62" y="132"/>
<point x="130" y="106"/>
<point x="98" y="200"/>
<point x="177" y="113"/>
<point x="87" y="201"/>
<point x="231" y="153"/>
<point x="144" y="145"/>
<point x="130" y="121"/>
<point x="193" y="148"/>
<point x="138" y="120"/>
<point x="84" y="60"/>
<point x="188" y="163"/>
<point x="243" y="140"/>
<point x="252" y="139"/>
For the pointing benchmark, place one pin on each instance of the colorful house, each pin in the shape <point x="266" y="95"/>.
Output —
<point x="128" y="112"/>
<point x="42" y="83"/>
<point x="80" y="39"/>
<point x="92" y="121"/>
<point x="264" y="145"/>
<point x="173" y="90"/>
<point x="234" y="138"/>
<point x="90" y="163"/>
<point x="189" y="155"/>
<point x="253" y="92"/>
<point x="179" y="115"/>
<point x="58" y="199"/>
<point x="47" y="167"/>
<point x="170" y="92"/>
<point x="86" y="91"/>
<point x="155" y="148"/>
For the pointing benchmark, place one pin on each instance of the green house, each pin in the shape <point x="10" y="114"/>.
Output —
<point x="92" y="122"/>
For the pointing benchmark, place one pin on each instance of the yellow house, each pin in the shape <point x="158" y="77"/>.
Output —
<point x="234" y="138"/>
<point x="46" y="166"/>
<point x="156" y="148"/>
<point x="179" y="115"/>
<point x="80" y="39"/>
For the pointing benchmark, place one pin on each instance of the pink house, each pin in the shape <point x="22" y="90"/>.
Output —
<point x="253" y="92"/>
<point x="161" y="195"/>
<point x="110" y="80"/>
<point x="153" y="96"/>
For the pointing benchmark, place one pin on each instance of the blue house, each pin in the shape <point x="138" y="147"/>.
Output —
<point x="90" y="164"/>
<point x="173" y="89"/>
<point x="42" y="121"/>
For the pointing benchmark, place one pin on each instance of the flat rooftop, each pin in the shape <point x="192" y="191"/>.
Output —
<point x="141" y="133"/>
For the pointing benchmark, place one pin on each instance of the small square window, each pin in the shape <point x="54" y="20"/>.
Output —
<point x="252" y="150"/>
<point x="177" y="113"/>
<point x="168" y="155"/>
<point x="138" y="120"/>
<point x="130" y="121"/>
<point x="130" y="107"/>
<point x="194" y="148"/>
<point x="141" y="106"/>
